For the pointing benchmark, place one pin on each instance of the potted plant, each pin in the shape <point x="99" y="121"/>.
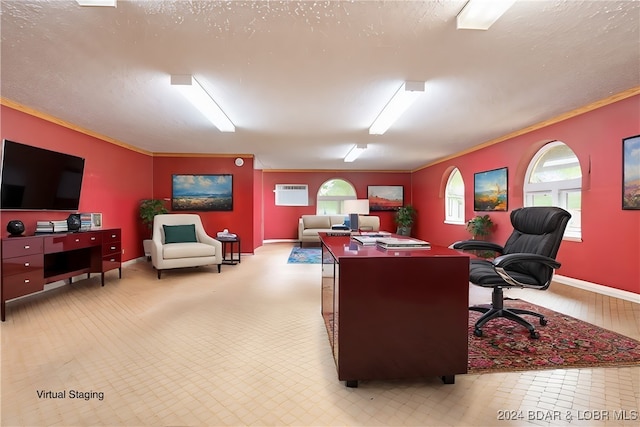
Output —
<point x="149" y="208"/>
<point x="480" y="226"/>
<point x="405" y="216"/>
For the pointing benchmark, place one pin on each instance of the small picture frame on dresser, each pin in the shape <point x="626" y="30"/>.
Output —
<point x="96" y="221"/>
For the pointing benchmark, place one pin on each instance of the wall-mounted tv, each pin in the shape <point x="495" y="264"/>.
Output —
<point x="38" y="179"/>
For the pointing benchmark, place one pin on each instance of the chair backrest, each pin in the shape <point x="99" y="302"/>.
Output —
<point x="175" y="219"/>
<point x="536" y="230"/>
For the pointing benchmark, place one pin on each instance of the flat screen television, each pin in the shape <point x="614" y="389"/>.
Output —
<point x="38" y="179"/>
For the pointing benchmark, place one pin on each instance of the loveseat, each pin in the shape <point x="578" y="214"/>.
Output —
<point x="179" y="240"/>
<point x="310" y="225"/>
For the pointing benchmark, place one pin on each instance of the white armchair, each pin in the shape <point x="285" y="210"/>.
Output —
<point x="179" y="240"/>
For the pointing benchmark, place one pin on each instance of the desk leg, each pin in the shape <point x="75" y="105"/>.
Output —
<point x="449" y="379"/>
<point x="351" y="383"/>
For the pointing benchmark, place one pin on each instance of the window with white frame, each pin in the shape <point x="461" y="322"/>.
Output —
<point x="454" y="198"/>
<point x="332" y="195"/>
<point x="554" y="178"/>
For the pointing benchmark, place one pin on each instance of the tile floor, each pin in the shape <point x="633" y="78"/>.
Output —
<point x="248" y="347"/>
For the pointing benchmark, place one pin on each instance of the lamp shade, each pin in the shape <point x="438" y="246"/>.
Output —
<point x="356" y="206"/>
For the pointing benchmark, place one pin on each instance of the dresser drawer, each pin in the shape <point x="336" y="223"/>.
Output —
<point x="111" y="262"/>
<point x="111" y="248"/>
<point x="109" y="236"/>
<point x="22" y="265"/>
<point x="69" y="242"/>
<point x="18" y="246"/>
<point x="22" y="284"/>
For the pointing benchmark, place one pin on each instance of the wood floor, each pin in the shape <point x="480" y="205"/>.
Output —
<point x="248" y="347"/>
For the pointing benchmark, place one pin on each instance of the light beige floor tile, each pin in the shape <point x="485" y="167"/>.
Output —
<point x="248" y="347"/>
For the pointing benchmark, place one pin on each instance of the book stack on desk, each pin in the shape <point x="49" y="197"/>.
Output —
<point x="365" y="240"/>
<point x="402" y="243"/>
<point x="85" y="221"/>
<point x="51" y="226"/>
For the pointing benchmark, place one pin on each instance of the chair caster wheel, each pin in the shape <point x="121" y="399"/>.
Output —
<point x="535" y="335"/>
<point x="543" y="322"/>
<point x="477" y="332"/>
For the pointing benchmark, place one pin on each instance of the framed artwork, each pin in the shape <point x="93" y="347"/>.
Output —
<point x="96" y="221"/>
<point x="202" y="192"/>
<point x="631" y="172"/>
<point x="385" y="197"/>
<point x="490" y="190"/>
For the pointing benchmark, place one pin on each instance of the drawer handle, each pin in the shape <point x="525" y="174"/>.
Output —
<point x="26" y="264"/>
<point x="113" y="248"/>
<point x="112" y="259"/>
<point x="113" y="235"/>
<point x="26" y="280"/>
<point x="77" y="240"/>
<point x="93" y="238"/>
<point x="27" y="246"/>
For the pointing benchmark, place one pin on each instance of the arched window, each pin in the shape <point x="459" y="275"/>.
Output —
<point x="554" y="178"/>
<point x="454" y="198"/>
<point x="332" y="194"/>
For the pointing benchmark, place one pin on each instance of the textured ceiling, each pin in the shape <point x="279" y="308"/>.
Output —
<point x="303" y="80"/>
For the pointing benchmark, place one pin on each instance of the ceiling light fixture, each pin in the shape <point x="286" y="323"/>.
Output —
<point x="399" y="103"/>
<point x="109" y="3"/>
<point x="355" y="152"/>
<point x="481" y="14"/>
<point x="195" y="93"/>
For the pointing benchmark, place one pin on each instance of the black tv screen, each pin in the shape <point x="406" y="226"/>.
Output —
<point x="38" y="179"/>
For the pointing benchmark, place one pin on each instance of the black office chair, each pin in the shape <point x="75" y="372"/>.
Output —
<point x="527" y="260"/>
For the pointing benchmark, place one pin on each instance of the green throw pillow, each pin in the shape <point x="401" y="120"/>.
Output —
<point x="179" y="233"/>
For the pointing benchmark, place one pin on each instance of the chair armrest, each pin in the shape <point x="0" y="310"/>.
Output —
<point x="501" y="262"/>
<point x="505" y="260"/>
<point x="477" y="245"/>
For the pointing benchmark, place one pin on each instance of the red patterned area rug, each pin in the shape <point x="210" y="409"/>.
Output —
<point x="565" y="342"/>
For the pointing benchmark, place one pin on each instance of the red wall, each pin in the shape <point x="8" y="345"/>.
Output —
<point x="117" y="178"/>
<point x="240" y="219"/>
<point x="609" y="253"/>
<point x="281" y="222"/>
<point x="114" y="191"/>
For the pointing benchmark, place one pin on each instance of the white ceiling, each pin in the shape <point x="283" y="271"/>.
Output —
<point x="303" y="80"/>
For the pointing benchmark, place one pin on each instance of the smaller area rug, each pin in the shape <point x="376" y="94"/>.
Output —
<point x="564" y="342"/>
<point x="299" y="255"/>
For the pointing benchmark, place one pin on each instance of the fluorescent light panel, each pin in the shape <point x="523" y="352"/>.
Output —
<point x="195" y="93"/>
<point x="399" y="103"/>
<point x="109" y="3"/>
<point x="355" y="152"/>
<point x="481" y="14"/>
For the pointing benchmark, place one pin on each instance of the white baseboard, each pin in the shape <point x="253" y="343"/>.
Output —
<point x="600" y="289"/>
<point x="281" y="241"/>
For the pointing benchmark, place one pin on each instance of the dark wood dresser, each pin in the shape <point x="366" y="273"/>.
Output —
<point x="28" y="263"/>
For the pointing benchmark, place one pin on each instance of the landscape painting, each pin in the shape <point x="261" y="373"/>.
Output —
<point x="385" y="197"/>
<point x="490" y="190"/>
<point x="202" y="193"/>
<point x="631" y="173"/>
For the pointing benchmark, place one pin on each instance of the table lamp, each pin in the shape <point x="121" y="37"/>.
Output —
<point x="355" y="207"/>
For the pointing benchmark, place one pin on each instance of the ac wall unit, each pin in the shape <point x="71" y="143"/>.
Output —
<point x="292" y="195"/>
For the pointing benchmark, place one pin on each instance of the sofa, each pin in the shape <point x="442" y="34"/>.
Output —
<point x="179" y="240"/>
<point x="310" y="225"/>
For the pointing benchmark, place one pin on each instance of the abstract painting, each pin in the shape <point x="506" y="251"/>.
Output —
<point x="490" y="190"/>
<point x="202" y="193"/>
<point x="631" y="172"/>
<point x="385" y="197"/>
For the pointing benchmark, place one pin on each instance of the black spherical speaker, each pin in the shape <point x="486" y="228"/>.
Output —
<point x="15" y="227"/>
<point x="73" y="222"/>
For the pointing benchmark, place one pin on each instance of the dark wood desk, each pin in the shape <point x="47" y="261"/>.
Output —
<point x="395" y="314"/>
<point x="30" y="262"/>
